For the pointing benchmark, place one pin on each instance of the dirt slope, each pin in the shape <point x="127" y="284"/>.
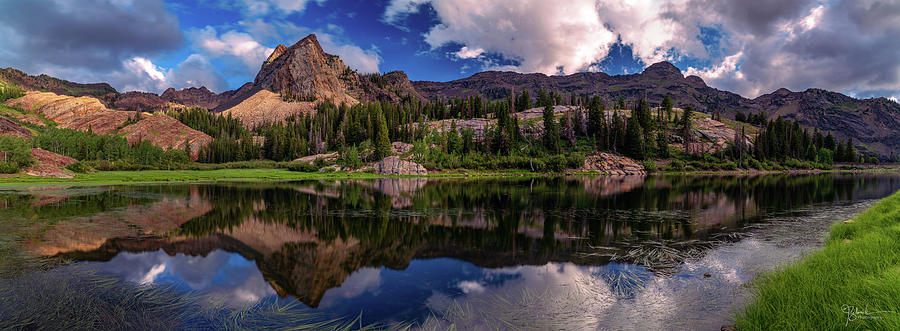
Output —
<point x="166" y="132"/>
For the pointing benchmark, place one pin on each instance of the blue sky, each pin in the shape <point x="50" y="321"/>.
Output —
<point x="750" y="48"/>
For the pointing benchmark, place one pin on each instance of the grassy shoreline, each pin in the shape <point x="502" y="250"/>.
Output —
<point x="852" y="283"/>
<point x="164" y="176"/>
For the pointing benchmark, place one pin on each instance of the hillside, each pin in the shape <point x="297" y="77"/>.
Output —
<point x="89" y="114"/>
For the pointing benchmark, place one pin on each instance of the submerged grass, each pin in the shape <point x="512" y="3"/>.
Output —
<point x="74" y="297"/>
<point x="853" y="283"/>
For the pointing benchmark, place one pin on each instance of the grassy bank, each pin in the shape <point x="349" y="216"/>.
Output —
<point x="152" y="176"/>
<point x="852" y="283"/>
<point x="157" y="176"/>
<point x="161" y="176"/>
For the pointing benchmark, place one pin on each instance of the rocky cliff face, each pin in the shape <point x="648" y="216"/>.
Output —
<point x="194" y="97"/>
<point x="143" y="101"/>
<point x="306" y="72"/>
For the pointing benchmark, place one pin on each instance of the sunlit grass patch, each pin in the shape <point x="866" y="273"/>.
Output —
<point x="853" y="283"/>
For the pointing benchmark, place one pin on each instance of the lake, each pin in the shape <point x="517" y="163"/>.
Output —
<point x="642" y="253"/>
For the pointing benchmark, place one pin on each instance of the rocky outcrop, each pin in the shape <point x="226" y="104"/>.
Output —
<point x="194" y="97"/>
<point x="313" y="158"/>
<point x="142" y="101"/>
<point x="612" y="164"/>
<point x="393" y="165"/>
<point x="49" y="164"/>
<point x="166" y="132"/>
<point x="13" y="129"/>
<point x="400" y="148"/>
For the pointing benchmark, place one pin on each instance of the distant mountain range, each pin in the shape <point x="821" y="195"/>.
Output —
<point x="293" y="76"/>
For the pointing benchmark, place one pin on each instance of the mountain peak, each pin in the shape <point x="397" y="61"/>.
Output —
<point x="304" y="71"/>
<point x="309" y="41"/>
<point x="663" y="69"/>
<point x="276" y="53"/>
<point x="782" y="91"/>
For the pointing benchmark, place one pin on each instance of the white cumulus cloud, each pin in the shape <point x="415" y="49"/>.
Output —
<point x="238" y="45"/>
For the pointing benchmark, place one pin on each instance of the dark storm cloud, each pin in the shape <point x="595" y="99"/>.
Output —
<point x="758" y="17"/>
<point x="854" y="48"/>
<point x="91" y="34"/>
<point x="846" y="45"/>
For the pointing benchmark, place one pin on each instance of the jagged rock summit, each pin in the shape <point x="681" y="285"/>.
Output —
<point x="305" y="72"/>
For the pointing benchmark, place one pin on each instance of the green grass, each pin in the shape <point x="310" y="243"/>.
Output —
<point x="151" y="176"/>
<point x="852" y="283"/>
<point x="156" y="176"/>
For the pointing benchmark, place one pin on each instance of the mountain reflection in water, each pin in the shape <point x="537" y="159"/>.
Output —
<point x="544" y="252"/>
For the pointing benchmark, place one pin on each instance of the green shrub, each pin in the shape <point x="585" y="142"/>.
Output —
<point x="78" y="167"/>
<point x="649" y="166"/>
<point x="728" y="165"/>
<point x="676" y="165"/>
<point x="8" y="91"/>
<point x="350" y="158"/>
<point x="9" y="168"/>
<point x="302" y="167"/>
<point x="16" y="154"/>
<point x="575" y="160"/>
<point x="754" y="164"/>
<point x="555" y="163"/>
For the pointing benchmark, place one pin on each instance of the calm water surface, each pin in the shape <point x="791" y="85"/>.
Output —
<point x="546" y="253"/>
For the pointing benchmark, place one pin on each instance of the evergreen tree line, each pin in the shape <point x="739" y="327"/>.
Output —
<point x="366" y="127"/>
<point x="114" y="151"/>
<point x="781" y="140"/>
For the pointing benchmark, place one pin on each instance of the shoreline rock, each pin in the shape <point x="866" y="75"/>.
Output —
<point x="393" y="165"/>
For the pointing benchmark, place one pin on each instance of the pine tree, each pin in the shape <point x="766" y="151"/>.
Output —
<point x="187" y="147"/>
<point x="382" y="142"/>
<point x="595" y="118"/>
<point x="551" y="130"/>
<point x="850" y="152"/>
<point x="667" y="106"/>
<point x="662" y="144"/>
<point x="524" y="102"/>
<point x="686" y="131"/>
<point x="570" y="130"/>
<point x="829" y="142"/>
<point x="634" y="139"/>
